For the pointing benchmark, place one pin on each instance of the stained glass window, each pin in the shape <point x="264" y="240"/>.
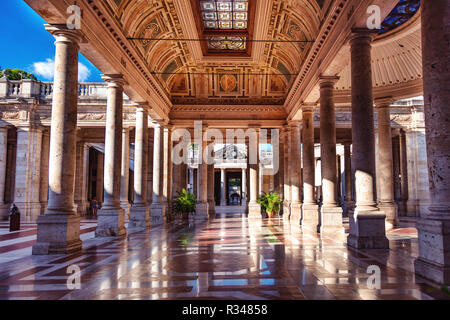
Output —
<point x="224" y="14"/>
<point x="227" y="43"/>
<point x="404" y="11"/>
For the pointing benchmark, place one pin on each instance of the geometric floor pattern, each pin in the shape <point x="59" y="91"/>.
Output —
<point x="229" y="258"/>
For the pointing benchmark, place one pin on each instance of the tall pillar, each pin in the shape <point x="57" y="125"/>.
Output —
<point x="367" y="224"/>
<point x="310" y="218"/>
<point x="330" y="212"/>
<point x="348" y="198"/>
<point x="28" y="166"/>
<point x="211" y="201"/>
<point x="157" y="208"/>
<point x="111" y="217"/>
<point x="59" y="228"/>
<point x="223" y="201"/>
<point x="125" y="171"/>
<point x="244" y="187"/>
<point x="201" y="208"/>
<point x="100" y="177"/>
<point x="167" y="174"/>
<point x="296" y="173"/>
<point x="139" y="215"/>
<point x="4" y="208"/>
<point x="254" y="209"/>
<point x="434" y="228"/>
<point x="286" y="137"/>
<point x="385" y="171"/>
<point x="45" y="153"/>
<point x="81" y="179"/>
<point x="150" y="149"/>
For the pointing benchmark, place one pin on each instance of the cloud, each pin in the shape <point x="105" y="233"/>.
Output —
<point x="46" y="70"/>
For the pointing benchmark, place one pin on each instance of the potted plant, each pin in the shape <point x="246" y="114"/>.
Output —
<point x="184" y="204"/>
<point x="270" y="203"/>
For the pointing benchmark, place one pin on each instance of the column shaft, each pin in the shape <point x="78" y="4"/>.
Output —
<point x="202" y="180"/>
<point x="310" y="219"/>
<point x="367" y="224"/>
<point x="59" y="228"/>
<point x="330" y="212"/>
<point x="434" y="228"/>
<point x="386" y="166"/>
<point x="223" y="200"/>
<point x="4" y="208"/>
<point x="125" y="171"/>
<point x="139" y="213"/>
<point x="296" y="174"/>
<point x="287" y="176"/>
<point x="157" y="209"/>
<point x="254" y="209"/>
<point x="111" y="217"/>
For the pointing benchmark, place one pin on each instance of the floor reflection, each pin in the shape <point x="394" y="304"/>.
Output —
<point x="230" y="257"/>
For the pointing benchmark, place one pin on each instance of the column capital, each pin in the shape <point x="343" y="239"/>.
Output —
<point x="140" y="106"/>
<point x="294" y="123"/>
<point x="327" y="81"/>
<point x="114" y="80"/>
<point x="384" y="102"/>
<point x="362" y="35"/>
<point x="309" y="107"/>
<point x="64" y="34"/>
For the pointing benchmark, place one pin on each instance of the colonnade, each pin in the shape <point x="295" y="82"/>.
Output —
<point x="59" y="227"/>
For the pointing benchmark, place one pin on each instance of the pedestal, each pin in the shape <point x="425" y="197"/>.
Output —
<point x="110" y="223"/>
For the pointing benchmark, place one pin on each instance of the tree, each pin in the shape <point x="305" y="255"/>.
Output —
<point x="17" y="74"/>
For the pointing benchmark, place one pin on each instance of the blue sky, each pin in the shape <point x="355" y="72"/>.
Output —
<point x="26" y="45"/>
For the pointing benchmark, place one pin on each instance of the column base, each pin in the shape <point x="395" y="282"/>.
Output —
<point x="391" y="211"/>
<point x="29" y="211"/>
<point x="310" y="219"/>
<point x="286" y="211"/>
<point x="211" y="208"/>
<point x="331" y="221"/>
<point x="139" y="217"/>
<point x="201" y="211"/>
<point x="367" y="230"/>
<point x="296" y="213"/>
<point x="57" y="234"/>
<point x="433" y="262"/>
<point x="125" y="205"/>
<point x="157" y="214"/>
<point x="254" y="210"/>
<point x="349" y="206"/>
<point x="4" y="212"/>
<point x="110" y="223"/>
<point x="82" y="208"/>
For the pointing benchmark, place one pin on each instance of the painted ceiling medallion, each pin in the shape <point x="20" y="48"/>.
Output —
<point x="228" y="82"/>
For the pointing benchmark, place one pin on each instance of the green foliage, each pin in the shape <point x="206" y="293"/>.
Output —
<point x="17" y="74"/>
<point x="185" y="202"/>
<point x="270" y="202"/>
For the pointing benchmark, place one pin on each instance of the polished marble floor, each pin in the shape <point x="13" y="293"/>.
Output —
<point x="230" y="257"/>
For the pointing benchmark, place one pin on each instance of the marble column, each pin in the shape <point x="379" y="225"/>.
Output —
<point x="310" y="219"/>
<point x="330" y="211"/>
<point x="111" y="217"/>
<point x="296" y="173"/>
<point x="348" y="198"/>
<point x="367" y="223"/>
<point x="404" y="183"/>
<point x="59" y="228"/>
<point x="45" y="153"/>
<point x="100" y="177"/>
<point x="157" y="209"/>
<point x="244" y="187"/>
<point x="286" y="137"/>
<point x="28" y="166"/>
<point x="434" y="228"/>
<point x="201" y="208"/>
<point x="150" y="149"/>
<point x="211" y="201"/>
<point x="125" y="171"/>
<point x="385" y="170"/>
<point x="254" y="208"/>
<point x="167" y="174"/>
<point x="4" y="208"/>
<point x="81" y="179"/>
<point x="139" y="211"/>
<point x="223" y="201"/>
